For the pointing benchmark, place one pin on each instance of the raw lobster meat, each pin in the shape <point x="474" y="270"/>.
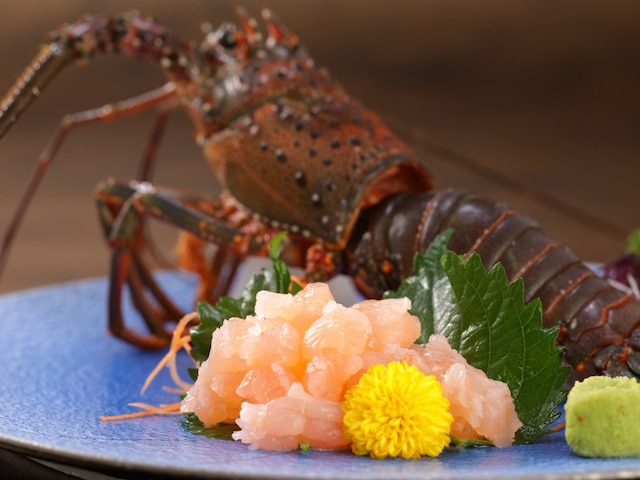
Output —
<point x="295" y="152"/>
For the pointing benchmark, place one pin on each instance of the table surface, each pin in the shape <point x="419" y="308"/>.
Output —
<point x="544" y="93"/>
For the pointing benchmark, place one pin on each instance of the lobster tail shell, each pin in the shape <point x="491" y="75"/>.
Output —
<point x="598" y="323"/>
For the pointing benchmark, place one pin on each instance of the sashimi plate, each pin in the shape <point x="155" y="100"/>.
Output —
<point x="61" y="371"/>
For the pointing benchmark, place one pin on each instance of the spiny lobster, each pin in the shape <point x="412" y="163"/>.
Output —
<point x="295" y="152"/>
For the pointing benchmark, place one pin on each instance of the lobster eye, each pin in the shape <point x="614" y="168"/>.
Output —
<point x="228" y="40"/>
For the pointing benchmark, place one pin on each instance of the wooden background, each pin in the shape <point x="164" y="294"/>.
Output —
<point x="544" y="92"/>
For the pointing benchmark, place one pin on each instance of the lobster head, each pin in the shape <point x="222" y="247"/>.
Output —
<point x="286" y="140"/>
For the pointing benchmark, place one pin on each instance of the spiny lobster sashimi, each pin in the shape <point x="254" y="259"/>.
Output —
<point x="295" y="152"/>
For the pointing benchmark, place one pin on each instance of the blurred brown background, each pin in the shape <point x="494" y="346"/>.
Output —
<point x="543" y="91"/>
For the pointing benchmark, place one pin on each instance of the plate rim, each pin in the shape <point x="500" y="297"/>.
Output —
<point x="114" y="466"/>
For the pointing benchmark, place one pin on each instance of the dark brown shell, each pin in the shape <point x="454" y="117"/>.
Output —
<point x="311" y="169"/>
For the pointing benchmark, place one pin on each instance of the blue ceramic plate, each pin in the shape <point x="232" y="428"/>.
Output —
<point x="61" y="371"/>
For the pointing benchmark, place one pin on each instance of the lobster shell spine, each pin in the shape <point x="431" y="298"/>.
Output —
<point x="597" y="322"/>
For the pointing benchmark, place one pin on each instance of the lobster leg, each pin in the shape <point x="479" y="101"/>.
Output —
<point x="122" y="208"/>
<point x="599" y="325"/>
<point x="215" y="265"/>
<point x="131" y="106"/>
<point x="121" y="273"/>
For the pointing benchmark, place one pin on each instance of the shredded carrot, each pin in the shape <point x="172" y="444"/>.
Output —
<point x="177" y="391"/>
<point x="179" y="341"/>
<point x="147" y="410"/>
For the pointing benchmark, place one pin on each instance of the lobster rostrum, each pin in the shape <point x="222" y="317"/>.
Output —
<point x="295" y="152"/>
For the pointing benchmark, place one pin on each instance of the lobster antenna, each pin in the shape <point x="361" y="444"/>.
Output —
<point x="45" y="66"/>
<point x="547" y="200"/>
<point x="277" y="33"/>
<point x="249" y="24"/>
<point x="50" y="60"/>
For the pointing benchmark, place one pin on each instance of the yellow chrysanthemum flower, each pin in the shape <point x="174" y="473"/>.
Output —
<point x="397" y="411"/>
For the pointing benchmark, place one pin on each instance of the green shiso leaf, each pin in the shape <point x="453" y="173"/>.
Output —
<point x="222" y="431"/>
<point x="275" y="279"/>
<point x="503" y="336"/>
<point x="485" y="318"/>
